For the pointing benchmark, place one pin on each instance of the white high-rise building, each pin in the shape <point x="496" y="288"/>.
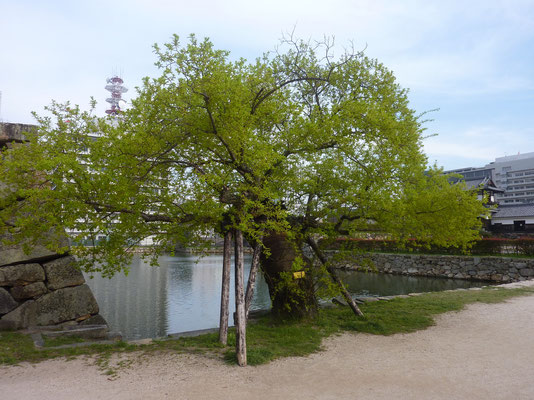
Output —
<point x="514" y="174"/>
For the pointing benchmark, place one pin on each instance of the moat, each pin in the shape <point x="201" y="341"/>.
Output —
<point x="183" y="294"/>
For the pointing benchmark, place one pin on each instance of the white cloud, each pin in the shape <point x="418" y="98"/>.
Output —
<point x="453" y="54"/>
<point x="477" y="145"/>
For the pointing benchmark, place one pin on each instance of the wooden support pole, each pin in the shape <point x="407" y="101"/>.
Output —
<point x="225" y="290"/>
<point x="241" y="322"/>
<point x="332" y="272"/>
<point x="252" y="277"/>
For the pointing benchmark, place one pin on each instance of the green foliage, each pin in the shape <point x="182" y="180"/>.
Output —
<point x="435" y="212"/>
<point x="297" y="142"/>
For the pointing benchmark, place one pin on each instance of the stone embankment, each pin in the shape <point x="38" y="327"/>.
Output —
<point x="42" y="289"/>
<point x="495" y="269"/>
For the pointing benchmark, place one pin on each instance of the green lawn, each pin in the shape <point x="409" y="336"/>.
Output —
<point x="268" y="339"/>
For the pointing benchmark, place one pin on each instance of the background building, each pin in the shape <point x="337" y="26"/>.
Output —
<point x="518" y="218"/>
<point x="514" y="174"/>
<point x="514" y="177"/>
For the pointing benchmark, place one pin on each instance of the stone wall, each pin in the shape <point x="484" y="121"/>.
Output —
<point x="45" y="291"/>
<point x="496" y="269"/>
<point x="41" y="288"/>
<point x="14" y="133"/>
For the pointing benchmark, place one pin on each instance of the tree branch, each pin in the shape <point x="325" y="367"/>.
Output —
<point x="278" y="87"/>
<point x="335" y="278"/>
<point x="99" y="207"/>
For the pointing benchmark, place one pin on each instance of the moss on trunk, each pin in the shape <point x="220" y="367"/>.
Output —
<point x="291" y="297"/>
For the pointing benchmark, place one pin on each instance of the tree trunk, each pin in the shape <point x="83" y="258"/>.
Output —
<point x="225" y="291"/>
<point x="241" y="322"/>
<point x="291" y="296"/>
<point x="252" y="277"/>
<point x="332" y="272"/>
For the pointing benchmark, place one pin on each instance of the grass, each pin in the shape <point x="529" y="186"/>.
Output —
<point x="61" y="341"/>
<point x="268" y="339"/>
<point x="16" y="347"/>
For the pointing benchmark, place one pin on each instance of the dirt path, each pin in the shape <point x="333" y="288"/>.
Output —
<point x="485" y="352"/>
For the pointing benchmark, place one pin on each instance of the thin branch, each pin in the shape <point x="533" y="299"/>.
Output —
<point x="335" y="278"/>
<point x="337" y="226"/>
<point x="100" y="207"/>
<point x="280" y="86"/>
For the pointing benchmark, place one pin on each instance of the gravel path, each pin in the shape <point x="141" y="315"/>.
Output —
<point x="484" y="352"/>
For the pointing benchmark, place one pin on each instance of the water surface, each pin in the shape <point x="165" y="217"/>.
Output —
<point x="183" y="294"/>
<point x="375" y="284"/>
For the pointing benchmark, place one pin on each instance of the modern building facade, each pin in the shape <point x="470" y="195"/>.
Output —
<point x="514" y="176"/>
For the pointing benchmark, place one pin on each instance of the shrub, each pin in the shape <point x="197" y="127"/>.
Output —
<point x="524" y="246"/>
<point x="484" y="246"/>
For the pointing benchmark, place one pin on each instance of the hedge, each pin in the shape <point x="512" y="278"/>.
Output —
<point x="484" y="246"/>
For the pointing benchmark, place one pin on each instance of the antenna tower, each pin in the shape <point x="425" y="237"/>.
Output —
<point x="116" y="87"/>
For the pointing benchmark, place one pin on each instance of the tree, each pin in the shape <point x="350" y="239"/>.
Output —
<point x="296" y="146"/>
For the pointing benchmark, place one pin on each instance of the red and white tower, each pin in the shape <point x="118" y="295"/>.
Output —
<point x="116" y="87"/>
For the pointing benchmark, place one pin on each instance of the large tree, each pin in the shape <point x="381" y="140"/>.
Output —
<point x="296" y="146"/>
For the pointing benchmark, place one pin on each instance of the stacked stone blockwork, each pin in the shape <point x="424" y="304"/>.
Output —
<point x="41" y="288"/>
<point x="495" y="269"/>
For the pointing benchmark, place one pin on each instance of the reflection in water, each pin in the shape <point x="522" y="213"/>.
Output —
<point x="135" y="305"/>
<point x="183" y="294"/>
<point x="375" y="284"/>
<point x="195" y="292"/>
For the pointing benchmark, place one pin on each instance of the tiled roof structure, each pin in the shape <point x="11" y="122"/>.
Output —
<point x="523" y="210"/>
<point x="482" y="183"/>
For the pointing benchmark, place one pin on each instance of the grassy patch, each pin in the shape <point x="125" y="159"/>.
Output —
<point x="61" y="340"/>
<point x="203" y="344"/>
<point x="16" y="347"/>
<point x="268" y="339"/>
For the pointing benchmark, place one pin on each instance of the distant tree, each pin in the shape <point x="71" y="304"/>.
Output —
<point x="296" y="146"/>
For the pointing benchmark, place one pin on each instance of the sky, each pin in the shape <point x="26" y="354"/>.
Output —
<point x="472" y="61"/>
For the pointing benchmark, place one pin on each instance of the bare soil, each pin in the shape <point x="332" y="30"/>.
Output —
<point x="484" y="352"/>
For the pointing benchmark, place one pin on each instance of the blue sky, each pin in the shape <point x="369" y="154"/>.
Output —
<point x="474" y="60"/>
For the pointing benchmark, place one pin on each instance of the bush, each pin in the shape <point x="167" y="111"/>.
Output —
<point x="524" y="246"/>
<point x="493" y="246"/>
<point x="484" y="246"/>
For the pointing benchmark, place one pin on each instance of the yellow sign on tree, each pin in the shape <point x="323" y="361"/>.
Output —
<point x="299" y="274"/>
